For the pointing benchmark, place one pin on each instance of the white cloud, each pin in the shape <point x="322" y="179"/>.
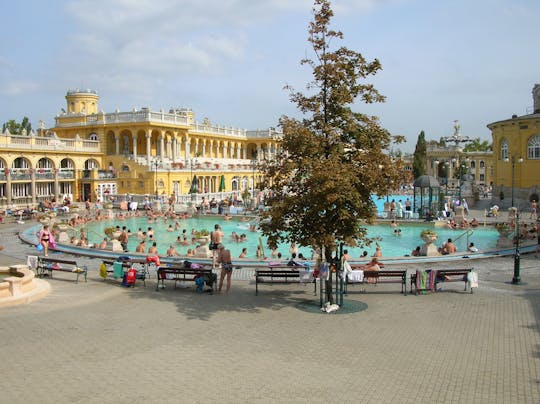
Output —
<point x="18" y="87"/>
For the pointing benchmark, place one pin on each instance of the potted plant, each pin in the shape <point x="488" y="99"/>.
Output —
<point x="202" y="236"/>
<point x="504" y="229"/>
<point x="112" y="232"/>
<point x="428" y="236"/>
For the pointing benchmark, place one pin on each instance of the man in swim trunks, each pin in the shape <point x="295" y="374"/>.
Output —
<point x="224" y="258"/>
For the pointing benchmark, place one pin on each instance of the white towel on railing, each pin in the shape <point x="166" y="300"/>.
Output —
<point x="32" y="262"/>
<point x="305" y="275"/>
<point x="472" y="279"/>
<point x="356" y="276"/>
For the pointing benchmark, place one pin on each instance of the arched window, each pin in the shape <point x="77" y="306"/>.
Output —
<point x="482" y="164"/>
<point x="473" y="164"/>
<point x="91" y="164"/>
<point x="533" y="148"/>
<point x="504" y="149"/>
<point x="93" y="136"/>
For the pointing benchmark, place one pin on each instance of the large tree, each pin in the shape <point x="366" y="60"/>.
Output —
<point x="331" y="161"/>
<point x="419" y="161"/>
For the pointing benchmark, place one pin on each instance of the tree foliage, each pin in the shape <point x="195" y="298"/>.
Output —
<point x="419" y="161"/>
<point x="477" y="145"/>
<point x="17" y="128"/>
<point x="331" y="161"/>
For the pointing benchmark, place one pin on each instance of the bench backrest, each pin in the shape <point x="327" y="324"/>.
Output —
<point x="185" y="270"/>
<point x="454" y="271"/>
<point x="385" y="273"/>
<point x="56" y="261"/>
<point x="293" y="267"/>
<point x="270" y="272"/>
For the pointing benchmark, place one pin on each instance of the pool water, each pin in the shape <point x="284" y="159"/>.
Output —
<point x="484" y="238"/>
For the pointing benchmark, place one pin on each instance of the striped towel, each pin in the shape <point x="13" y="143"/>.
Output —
<point x="421" y="281"/>
<point x="431" y="280"/>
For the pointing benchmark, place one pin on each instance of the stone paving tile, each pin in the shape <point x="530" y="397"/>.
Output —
<point x="98" y="342"/>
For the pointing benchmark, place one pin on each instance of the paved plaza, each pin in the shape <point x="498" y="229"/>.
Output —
<point x="98" y="342"/>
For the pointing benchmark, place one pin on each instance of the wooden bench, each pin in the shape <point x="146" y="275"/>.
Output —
<point x="182" y="273"/>
<point x="384" y="276"/>
<point x="279" y="274"/>
<point x="53" y="264"/>
<point x="443" y="275"/>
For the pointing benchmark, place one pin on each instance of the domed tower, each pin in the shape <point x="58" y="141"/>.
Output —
<point x="82" y="101"/>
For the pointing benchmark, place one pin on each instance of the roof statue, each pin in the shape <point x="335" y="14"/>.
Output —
<point x="457" y="138"/>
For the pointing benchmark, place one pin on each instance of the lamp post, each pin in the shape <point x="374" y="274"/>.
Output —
<point x="516" y="279"/>
<point x="513" y="161"/>
<point x="253" y="165"/>
<point x="447" y="165"/>
<point x="155" y="163"/>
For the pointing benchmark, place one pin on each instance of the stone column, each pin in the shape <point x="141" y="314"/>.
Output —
<point x="174" y="148"/>
<point x="8" y="186"/>
<point x="117" y="143"/>
<point x="187" y="148"/>
<point x="148" y="147"/>
<point x="134" y="137"/>
<point x="33" y="185"/>
<point x="169" y="150"/>
<point x="162" y="145"/>
<point x="56" y="185"/>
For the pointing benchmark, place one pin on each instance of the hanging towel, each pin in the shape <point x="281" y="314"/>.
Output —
<point x="472" y="279"/>
<point x="356" y="276"/>
<point x="431" y="280"/>
<point x="103" y="270"/>
<point x="32" y="262"/>
<point x="346" y="268"/>
<point x="305" y="275"/>
<point x="52" y="242"/>
<point x="118" y="270"/>
<point x="421" y="280"/>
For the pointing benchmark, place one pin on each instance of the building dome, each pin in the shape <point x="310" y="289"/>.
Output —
<point x="426" y="181"/>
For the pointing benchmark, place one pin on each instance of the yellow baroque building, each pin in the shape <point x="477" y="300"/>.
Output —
<point x="516" y="156"/>
<point x="89" y="154"/>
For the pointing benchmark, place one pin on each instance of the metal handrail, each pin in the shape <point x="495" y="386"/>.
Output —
<point x="467" y="232"/>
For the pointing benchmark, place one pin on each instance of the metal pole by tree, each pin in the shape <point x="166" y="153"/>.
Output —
<point x="156" y="163"/>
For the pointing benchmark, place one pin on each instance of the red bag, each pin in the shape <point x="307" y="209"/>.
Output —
<point x="131" y="276"/>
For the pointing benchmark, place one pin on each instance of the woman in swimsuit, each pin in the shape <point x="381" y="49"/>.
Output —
<point x="44" y="237"/>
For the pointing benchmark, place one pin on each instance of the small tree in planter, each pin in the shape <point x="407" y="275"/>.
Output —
<point x="202" y="236"/>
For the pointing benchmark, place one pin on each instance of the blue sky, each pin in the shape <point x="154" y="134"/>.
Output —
<point x="228" y="60"/>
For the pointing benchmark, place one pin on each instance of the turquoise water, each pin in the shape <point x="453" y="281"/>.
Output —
<point x="392" y="245"/>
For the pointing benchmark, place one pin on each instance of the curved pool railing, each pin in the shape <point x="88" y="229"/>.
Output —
<point x="29" y="235"/>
